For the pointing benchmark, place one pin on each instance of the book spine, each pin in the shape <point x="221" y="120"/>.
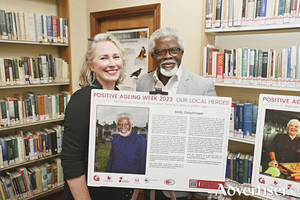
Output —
<point x="49" y="29"/>
<point x="263" y="8"/>
<point x="248" y="119"/>
<point x="254" y="118"/>
<point x="265" y="65"/>
<point x="298" y="63"/>
<point x="288" y="74"/>
<point x="3" y="26"/>
<point x="219" y="68"/>
<point x="4" y="152"/>
<point x="54" y="28"/>
<point x="240" y="117"/>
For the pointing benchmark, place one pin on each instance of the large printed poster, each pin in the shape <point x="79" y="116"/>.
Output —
<point x="172" y="142"/>
<point x="276" y="166"/>
<point x="135" y="43"/>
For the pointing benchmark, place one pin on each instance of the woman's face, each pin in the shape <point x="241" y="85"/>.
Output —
<point x="107" y="63"/>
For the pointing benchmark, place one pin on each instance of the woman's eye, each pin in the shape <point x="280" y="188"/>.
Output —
<point x="116" y="57"/>
<point x="102" y="58"/>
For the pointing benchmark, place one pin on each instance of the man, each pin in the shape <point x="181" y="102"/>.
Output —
<point x="286" y="147"/>
<point x="128" y="149"/>
<point x="166" y="46"/>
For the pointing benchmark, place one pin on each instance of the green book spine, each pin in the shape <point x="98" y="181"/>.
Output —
<point x="57" y="105"/>
<point x="15" y="146"/>
<point x="244" y="61"/>
<point x="246" y="169"/>
<point x="241" y="171"/>
<point x="10" y="152"/>
<point x="17" y="70"/>
<point x="21" y="183"/>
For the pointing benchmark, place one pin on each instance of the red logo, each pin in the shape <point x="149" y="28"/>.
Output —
<point x="169" y="182"/>
<point x="261" y="180"/>
<point x="275" y="182"/>
<point x="108" y="177"/>
<point x="96" y="178"/>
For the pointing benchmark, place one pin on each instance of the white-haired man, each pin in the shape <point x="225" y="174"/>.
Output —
<point x="286" y="147"/>
<point x="128" y="149"/>
<point x="166" y="46"/>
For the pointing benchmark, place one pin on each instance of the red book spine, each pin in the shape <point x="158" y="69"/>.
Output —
<point x="54" y="28"/>
<point x="58" y="31"/>
<point x="220" y="67"/>
<point x="6" y="67"/>
<point x="29" y="69"/>
<point x="210" y="51"/>
<point x="293" y="7"/>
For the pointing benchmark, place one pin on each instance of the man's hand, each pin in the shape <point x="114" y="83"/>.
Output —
<point x="195" y="196"/>
<point x="273" y="163"/>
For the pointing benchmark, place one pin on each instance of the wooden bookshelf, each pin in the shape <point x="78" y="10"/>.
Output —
<point x="18" y="48"/>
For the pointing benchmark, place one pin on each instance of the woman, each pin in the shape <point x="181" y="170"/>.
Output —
<point x="103" y="68"/>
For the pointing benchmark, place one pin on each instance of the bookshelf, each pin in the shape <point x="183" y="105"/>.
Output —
<point x="258" y="37"/>
<point x="275" y="36"/>
<point x="16" y="48"/>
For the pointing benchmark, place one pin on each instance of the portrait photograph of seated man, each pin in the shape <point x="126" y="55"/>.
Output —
<point x="281" y="145"/>
<point x="121" y="139"/>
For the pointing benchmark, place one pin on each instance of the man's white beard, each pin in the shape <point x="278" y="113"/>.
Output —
<point x="169" y="72"/>
<point x="125" y="134"/>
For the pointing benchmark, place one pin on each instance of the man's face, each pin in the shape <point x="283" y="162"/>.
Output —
<point x="167" y="62"/>
<point x="293" y="128"/>
<point x="124" y="126"/>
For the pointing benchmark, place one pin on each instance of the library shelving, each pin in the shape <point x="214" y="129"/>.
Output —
<point x="16" y="48"/>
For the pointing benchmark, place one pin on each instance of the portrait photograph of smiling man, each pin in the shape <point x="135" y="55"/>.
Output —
<point x="121" y="139"/>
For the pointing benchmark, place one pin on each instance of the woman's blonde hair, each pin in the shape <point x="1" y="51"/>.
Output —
<point x="87" y="76"/>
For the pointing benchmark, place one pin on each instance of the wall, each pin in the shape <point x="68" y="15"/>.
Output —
<point x="186" y="16"/>
<point x="78" y="28"/>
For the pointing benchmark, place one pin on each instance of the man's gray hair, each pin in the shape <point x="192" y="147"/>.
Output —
<point x="293" y="120"/>
<point x="122" y="115"/>
<point x="164" y="32"/>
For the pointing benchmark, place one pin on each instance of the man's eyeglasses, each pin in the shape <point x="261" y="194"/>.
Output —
<point x="174" y="51"/>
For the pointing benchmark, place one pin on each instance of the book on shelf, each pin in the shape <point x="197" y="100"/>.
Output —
<point x="251" y="13"/>
<point x="248" y="107"/>
<point x="38" y="26"/>
<point x="33" y="27"/>
<point x="54" y="174"/>
<point x="211" y="49"/>
<point x="241" y="168"/>
<point x="44" y="176"/>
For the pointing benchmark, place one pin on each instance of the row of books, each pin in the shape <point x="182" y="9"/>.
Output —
<point x="236" y="13"/>
<point x="243" y="120"/>
<point x="24" y="182"/>
<point x="33" y="27"/>
<point x="239" y="167"/>
<point x="33" y="70"/>
<point x="253" y="66"/>
<point x="26" y="146"/>
<point x="31" y="107"/>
